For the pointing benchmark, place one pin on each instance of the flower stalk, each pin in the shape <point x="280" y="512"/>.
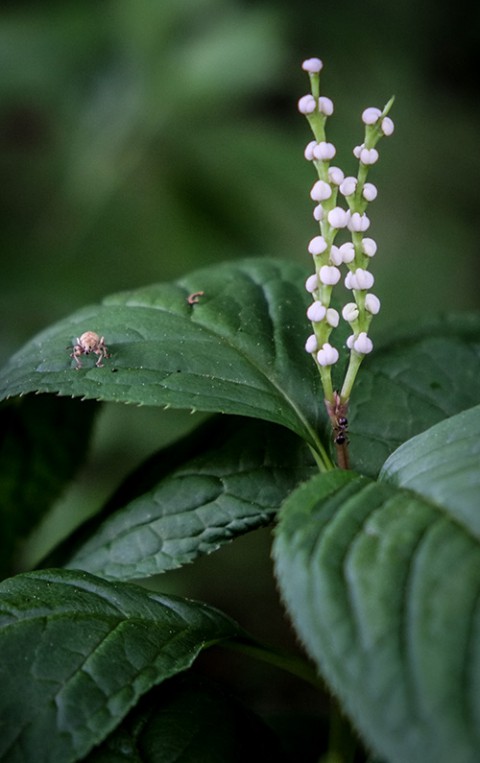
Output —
<point x="331" y="192"/>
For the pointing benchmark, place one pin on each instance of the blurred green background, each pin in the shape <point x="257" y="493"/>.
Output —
<point x="140" y="139"/>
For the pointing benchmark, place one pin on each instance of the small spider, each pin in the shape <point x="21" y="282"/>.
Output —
<point x="89" y="342"/>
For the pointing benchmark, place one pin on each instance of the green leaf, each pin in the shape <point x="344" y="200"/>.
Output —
<point x="235" y="485"/>
<point x="42" y="444"/>
<point x="443" y="465"/>
<point x="188" y="720"/>
<point x="420" y="376"/>
<point x="239" y="350"/>
<point x="382" y="586"/>
<point x="78" y="653"/>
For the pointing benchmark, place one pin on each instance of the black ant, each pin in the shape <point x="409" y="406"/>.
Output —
<point x="341" y="431"/>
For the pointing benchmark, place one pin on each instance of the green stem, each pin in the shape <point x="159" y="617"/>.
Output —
<point x="352" y="370"/>
<point x="283" y="660"/>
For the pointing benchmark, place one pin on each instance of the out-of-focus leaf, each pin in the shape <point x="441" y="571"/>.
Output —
<point x="78" y="653"/>
<point x="43" y="441"/>
<point x="443" y="464"/>
<point x="423" y="374"/>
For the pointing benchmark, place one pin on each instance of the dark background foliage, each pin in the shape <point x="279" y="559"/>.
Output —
<point x="141" y="139"/>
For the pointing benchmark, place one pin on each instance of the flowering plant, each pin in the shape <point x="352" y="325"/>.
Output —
<point x="378" y="564"/>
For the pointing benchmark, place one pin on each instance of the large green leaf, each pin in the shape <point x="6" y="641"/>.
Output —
<point x="239" y="350"/>
<point x="238" y="482"/>
<point x="382" y="586"/>
<point x="78" y="653"/>
<point x="188" y="720"/>
<point x="443" y="464"/>
<point x="42" y="444"/>
<point x="419" y="376"/>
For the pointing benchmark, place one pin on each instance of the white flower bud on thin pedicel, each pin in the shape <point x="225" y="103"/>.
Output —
<point x="312" y="65"/>
<point x="321" y="191"/>
<point x="369" y="247"/>
<point x="348" y="186"/>
<point x="333" y="317"/>
<point x="311" y="283"/>
<point x="329" y="275"/>
<point x="359" y="280"/>
<point x="338" y="217"/>
<point x="316" y="312"/>
<point x="363" y="344"/>
<point x="308" y="153"/>
<point x="328" y="355"/>
<point x="325" y="106"/>
<point x="358" y="222"/>
<point x="387" y="126"/>
<point x="317" y="245"/>
<point x="372" y="304"/>
<point x="371" y="115"/>
<point x="369" y="192"/>
<point x="324" y="151"/>
<point x="307" y="104"/>
<point x="350" y="312"/>
<point x="311" y="345"/>
<point x="318" y="213"/>
<point x="335" y="175"/>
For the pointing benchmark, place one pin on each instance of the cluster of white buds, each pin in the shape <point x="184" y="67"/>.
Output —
<point x="341" y="204"/>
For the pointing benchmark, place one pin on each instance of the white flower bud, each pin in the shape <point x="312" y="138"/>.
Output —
<point x="311" y="283"/>
<point x="347" y="252"/>
<point x="371" y="115"/>
<point x="308" y="153"/>
<point x="350" y="341"/>
<point x="387" y="126"/>
<point x="369" y="247"/>
<point x="324" y="151"/>
<point x="338" y="217"/>
<point x="312" y="65"/>
<point x="368" y="156"/>
<point x="307" y="104"/>
<point x="316" y="312"/>
<point x="363" y="344"/>
<point x="332" y="317"/>
<point x="359" y="279"/>
<point x="325" y="106"/>
<point x="335" y="175"/>
<point x="318" y="213"/>
<point x="328" y="355"/>
<point x="311" y="345"/>
<point x="329" y="275"/>
<point x="350" y="312"/>
<point x="369" y="192"/>
<point x="317" y="245"/>
<point x="358" y="222"/>
<point x="335" y="255"/>
<point x="321" y="191"/>
<point x="357" y="150"/>
<point x="348" y="186"/>
<point x="372" y="304"/>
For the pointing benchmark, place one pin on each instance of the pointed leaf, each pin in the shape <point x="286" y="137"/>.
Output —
<point x="235" y="486"/>
<point x="239" y="350"/>
<point x="443" y="464"/>
<point x="420" y="376"/>
<point x="383" y="589"/>
<point x="42" y="444"/>
<point x="78" y="653"/>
